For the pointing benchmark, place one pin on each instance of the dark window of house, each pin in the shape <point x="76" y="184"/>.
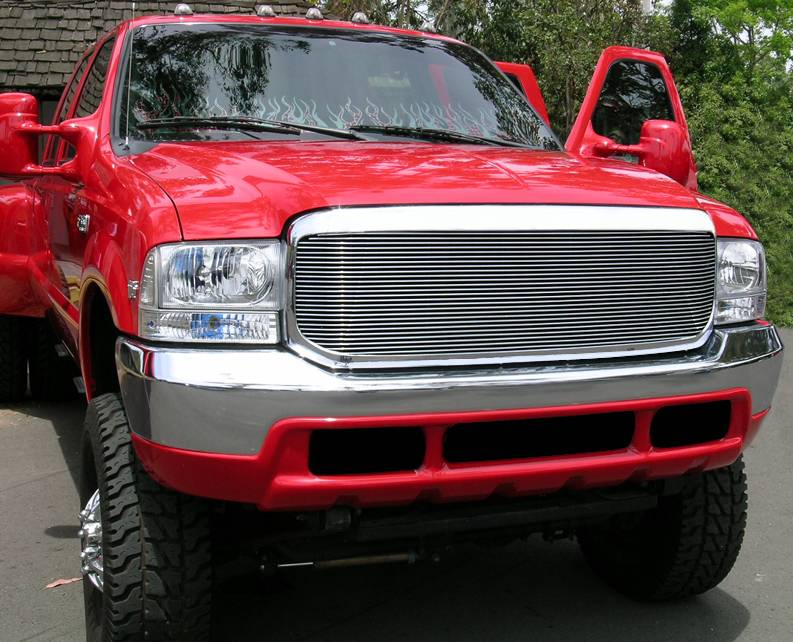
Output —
<point x="91" y="95"/>
<point x="52" y="141"/>
<point x="632" y="93"/>
<point x="47" y="107"/>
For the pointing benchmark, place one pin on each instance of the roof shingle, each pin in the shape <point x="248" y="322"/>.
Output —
<point x="46" y="37"/>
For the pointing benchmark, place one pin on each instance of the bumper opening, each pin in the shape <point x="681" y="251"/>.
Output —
<point x="365" y="450"/>
<point x="546" y="437"/>
<point x="690" y="424"/>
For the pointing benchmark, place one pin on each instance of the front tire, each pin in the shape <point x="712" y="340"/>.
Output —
<point x="156" y="572"/>
<point x="684" y="547"/>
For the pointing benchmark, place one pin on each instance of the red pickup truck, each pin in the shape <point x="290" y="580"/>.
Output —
<point x="338" y="296"/>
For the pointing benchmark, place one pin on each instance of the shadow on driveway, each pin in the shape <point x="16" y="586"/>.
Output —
<point x="522" y="591"/>
<point x="66" y="419"/>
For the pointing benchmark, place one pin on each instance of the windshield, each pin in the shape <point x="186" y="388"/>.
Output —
<point x="322" y="77"/>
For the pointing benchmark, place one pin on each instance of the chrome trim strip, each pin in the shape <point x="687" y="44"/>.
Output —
<point x="496" y="217"/>
<point x="499" y="217"/>
<point x="225" y="400"/>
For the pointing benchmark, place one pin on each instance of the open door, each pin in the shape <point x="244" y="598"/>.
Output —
<point x="632" y="112"/>
<point x="524" y="79"/>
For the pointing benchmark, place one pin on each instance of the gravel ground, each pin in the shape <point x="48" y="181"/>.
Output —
<point x="518" y="592"/>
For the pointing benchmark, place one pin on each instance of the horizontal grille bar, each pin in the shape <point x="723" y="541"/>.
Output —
<point x="611" y="296"/>
<point x="457" y="332"/>
<point x="475" y="327"/>
<point x="490" y="292"/>
<point x="524" y="285"/>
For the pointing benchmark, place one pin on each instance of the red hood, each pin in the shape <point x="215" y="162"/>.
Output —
<point x="239" y="190"/>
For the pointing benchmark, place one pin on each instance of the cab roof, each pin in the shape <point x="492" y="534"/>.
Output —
<point x="277" y="21"/>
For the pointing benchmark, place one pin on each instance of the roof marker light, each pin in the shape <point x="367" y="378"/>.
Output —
<point x="265" y="11"/>
<point x="314" y="14"/>
<point x="183" y="9"/>
<point x="359" y="17"/>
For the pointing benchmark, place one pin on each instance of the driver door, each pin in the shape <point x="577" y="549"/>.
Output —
<point x="632" y="112"/>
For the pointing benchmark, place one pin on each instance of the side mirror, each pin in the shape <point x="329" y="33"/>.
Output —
<point x="663" y="146"/>
<point x="19" y="132"/>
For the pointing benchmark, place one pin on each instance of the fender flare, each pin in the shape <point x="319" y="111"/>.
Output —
<point x="104" y="275"/>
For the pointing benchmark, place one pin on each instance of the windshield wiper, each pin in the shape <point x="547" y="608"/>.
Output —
<point x="427" y="133"/>
<point x="318" y="129"/>
<point x="243" y="123"/>
<point x="219" y="122"/>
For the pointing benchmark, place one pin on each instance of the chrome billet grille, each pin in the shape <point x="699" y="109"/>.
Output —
<point x="478" y="292"/>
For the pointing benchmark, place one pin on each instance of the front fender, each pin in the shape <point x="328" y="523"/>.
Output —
<point x="728" y="222"/>
<point x="106" y="271"/>
<point x="131" y="214"/>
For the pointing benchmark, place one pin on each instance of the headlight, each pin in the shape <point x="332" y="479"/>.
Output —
<point x="741" y="286"/>
<point x="213" y="292"/>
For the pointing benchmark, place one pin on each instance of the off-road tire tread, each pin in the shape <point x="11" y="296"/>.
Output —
<point x="714" y="507"/>
<point x="13" y="363"/>
<point x="706" y="524"/>
<point x="157" y="556"/>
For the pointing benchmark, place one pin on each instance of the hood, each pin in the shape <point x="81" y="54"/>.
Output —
<point x="251" y="189"/>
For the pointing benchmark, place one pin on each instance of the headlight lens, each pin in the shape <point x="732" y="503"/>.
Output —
<point x="741" y="288"/>
<point x="212" y="292"/>
<point x="201" y="276"/>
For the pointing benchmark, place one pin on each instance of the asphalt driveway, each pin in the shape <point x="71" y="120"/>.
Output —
<point x="519" y="592"/>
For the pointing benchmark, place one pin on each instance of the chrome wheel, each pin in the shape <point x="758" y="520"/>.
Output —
<point x="91" y="541"/>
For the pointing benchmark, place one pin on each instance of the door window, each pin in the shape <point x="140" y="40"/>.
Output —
<point x="91" y="95"/>
<point x="52" y="141"/>
<point x="632" y="93"/>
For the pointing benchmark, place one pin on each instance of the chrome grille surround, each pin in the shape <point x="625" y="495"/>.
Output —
<point x="489" y="264"/>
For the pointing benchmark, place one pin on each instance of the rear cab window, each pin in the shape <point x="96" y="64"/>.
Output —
<point x="91" y="93"/>
<point x="53" y="142"/>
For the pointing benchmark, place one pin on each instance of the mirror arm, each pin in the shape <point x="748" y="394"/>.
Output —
<point x="68" y="170"/>
<point x="607" y="147"/>
<point x="34" y="129"/>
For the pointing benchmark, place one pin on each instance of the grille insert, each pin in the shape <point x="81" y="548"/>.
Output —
<point x="407" y="294"/>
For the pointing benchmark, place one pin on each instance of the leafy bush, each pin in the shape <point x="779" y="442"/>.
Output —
<point x="744" y="148"/>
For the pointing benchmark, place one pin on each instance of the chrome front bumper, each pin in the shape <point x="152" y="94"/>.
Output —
<point x="225" y="400"/>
